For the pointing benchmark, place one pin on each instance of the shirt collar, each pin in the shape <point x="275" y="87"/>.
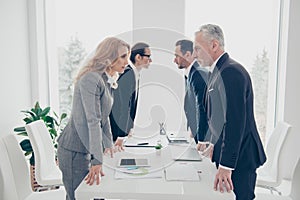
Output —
<point x="212" y="67"/>
<point x="112" y="80"/>
<point x="188" y="69"/>
<point x="108" y="75"/>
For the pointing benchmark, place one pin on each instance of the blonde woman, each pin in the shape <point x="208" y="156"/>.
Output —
<point x="88" y="132"/>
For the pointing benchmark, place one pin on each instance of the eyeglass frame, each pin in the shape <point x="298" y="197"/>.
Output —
<point x="149" y="56"/>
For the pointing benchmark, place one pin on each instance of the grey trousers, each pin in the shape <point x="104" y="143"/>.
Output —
<point x="74" y="167"/>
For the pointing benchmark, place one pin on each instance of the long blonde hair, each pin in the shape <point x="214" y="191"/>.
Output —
<point x="106" y="53"/>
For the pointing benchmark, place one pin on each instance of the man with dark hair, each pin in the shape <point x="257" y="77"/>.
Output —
<point x="126" y="94"/>
<point x="195" y="86"/>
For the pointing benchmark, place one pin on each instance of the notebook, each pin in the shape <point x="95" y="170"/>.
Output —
<point x="133" y="162"/>
<point x="186" y="154"/>
<point x="179" y="171"/>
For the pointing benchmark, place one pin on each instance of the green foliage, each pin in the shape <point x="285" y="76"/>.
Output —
<point x="52" y="123"/>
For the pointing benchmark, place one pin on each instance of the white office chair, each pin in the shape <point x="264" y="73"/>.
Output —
<point x="295" y="192"/>
<point x="47" y="173"/>
<point x="269" y="175"/>
<point x="14" y="174"/>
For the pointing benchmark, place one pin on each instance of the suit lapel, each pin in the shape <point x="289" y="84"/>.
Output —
<point x="128" y="67"/>
<point x="212" y="79"/>
<point x="217" y="70"/>
<point x="219" y="65"/>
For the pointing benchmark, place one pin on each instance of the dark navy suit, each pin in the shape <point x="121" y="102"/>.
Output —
<point x="193" y="102"/>
<point x="232" y="127"/>
<point x="125" y="102"/>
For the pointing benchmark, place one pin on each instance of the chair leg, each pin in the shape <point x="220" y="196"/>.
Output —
<point x="272" y="189"/>
<point x="47" y="188"/>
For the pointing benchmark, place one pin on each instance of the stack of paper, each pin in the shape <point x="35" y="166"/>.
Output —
<point x="182" y="171"/>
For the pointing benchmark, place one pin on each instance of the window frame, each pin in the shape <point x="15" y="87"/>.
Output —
<point x="44" y="65"/>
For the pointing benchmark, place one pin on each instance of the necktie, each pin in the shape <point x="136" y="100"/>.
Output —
<point x="137" y="87"/>
<point x="207" y="96"/>
<point x="209" y="76"/>
<point x="185" y="99"/>
<point x="185" y="82"/>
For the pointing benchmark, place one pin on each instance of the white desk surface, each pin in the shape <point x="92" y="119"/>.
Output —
<point x="153" y="188"/>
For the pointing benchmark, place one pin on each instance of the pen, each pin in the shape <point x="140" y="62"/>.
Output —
<point x="143" y="143"/>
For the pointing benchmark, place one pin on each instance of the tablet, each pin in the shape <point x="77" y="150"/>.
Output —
<point x="133" y="162"/>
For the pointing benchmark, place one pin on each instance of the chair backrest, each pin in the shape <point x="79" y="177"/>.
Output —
<point x="44" y="153"/>
<point x="14" y="170"/>
<point x="274" y="147"/>
<point x="295" y="192"/>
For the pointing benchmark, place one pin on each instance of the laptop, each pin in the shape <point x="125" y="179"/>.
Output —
<point x="133" y="162"/>
<point x="186" y="154"/>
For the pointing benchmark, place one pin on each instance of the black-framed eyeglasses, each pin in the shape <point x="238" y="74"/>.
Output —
<point x="149" y="56"/>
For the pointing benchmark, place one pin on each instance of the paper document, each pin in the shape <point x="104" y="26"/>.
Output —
<point x="136" y="173"/>
<point x="182" y="171"/>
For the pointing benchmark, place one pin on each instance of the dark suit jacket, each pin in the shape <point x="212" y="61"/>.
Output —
<point x="230" y="116"/>
<point x="124" y="107"/>
<point x="193" y="102"/>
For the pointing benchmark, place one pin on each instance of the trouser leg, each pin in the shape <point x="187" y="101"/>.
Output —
<point x="74" y="167"/>
<point x="244" y="184"/>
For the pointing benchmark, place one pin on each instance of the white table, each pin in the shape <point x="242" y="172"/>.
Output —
<point x="154" y="188"/>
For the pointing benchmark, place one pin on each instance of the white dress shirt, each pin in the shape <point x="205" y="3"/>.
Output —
<point x="137" y="77"/>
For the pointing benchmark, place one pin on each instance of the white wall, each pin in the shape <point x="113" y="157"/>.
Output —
<point x="160" y="24"/>
<point x="15" y="68"/>
<point x="15" y="76"/>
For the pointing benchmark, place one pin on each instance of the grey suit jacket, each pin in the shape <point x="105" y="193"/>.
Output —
<point x="88" y="129"/>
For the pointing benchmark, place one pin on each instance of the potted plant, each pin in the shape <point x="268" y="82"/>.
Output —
<point x="52" y="123"/>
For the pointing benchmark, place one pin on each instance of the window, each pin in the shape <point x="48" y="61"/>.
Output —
<point x="251" y="37"/>
<point x="80" y="26"/>
<point x="74" y="28"/>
